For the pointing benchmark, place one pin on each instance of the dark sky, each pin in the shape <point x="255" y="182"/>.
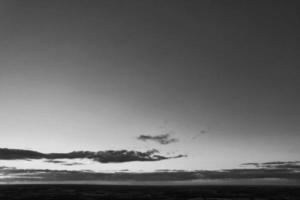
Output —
<point x="222" y="77"/>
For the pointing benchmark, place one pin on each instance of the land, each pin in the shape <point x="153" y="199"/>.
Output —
<point x="110" y="192"/>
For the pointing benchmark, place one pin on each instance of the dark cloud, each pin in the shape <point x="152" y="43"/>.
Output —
<point x="62" y="162"/>
<point x="275" y="165"/>
<point x="66" y="175"/>
<point x="110" y="156"/>
<point x="250" y="164"/>
<point x="15" y="154"/>
<point x="55" y="161"/>
<point x="72" y="163"/>
<point x="162" y="139"/>
<point x="161" y="175"/>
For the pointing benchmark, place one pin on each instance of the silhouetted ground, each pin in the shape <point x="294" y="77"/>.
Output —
<point x="90" y="192"/>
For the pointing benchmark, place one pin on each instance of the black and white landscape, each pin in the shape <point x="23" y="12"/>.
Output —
<point x="172" y="95"/>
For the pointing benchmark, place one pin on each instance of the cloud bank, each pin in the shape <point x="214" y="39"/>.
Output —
<point x="275" y="165"/>
<point x="161" y="139"/>
<point x="110" y="156"/>
<point x="14" y="174"/>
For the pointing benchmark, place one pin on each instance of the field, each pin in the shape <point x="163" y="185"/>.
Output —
<point x="105" y="192"/>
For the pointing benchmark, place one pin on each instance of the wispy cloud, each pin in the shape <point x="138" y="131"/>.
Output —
<point x="162" y="139"/>
<point x="63" y="162"/>
<point x="110" y="156"/>
<point x="275" y="165"/>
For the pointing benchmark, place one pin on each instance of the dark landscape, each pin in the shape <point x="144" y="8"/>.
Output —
<point x="105" y="192"/>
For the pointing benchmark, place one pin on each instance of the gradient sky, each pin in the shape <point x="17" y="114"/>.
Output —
<point x="222" y="77"/>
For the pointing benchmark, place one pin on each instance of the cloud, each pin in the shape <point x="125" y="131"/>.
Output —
<point x="55" y="161"/>
<point x="162" y="139"/>
<point x="15" y="154"/>
<point x="63" y="162"/>
<point x="110" y="156"/>
<point x="161" y="175"/>
<point x="251" y="164"/>
<point x="275" y="165"/>
<point x="72" y="163"/>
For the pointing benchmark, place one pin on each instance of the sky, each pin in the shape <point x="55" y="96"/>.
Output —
<point x="190" y="85"/>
